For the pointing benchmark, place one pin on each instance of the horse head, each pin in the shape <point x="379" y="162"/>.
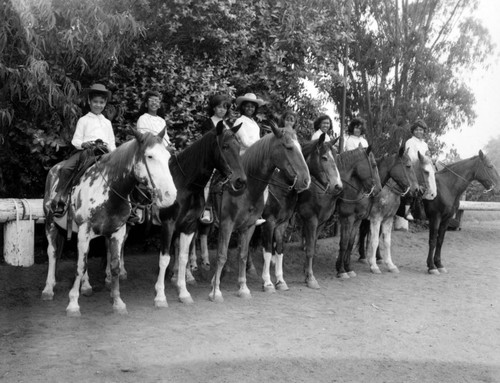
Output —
<point x="151" y="167"/>
<point x="487" y="174"/>
<point x="398" y="167"/>
<point x="287" y="157"/>
<point x="228" y="160"/>
<point x="320" y="159"/>
<point x="426" y="175"/>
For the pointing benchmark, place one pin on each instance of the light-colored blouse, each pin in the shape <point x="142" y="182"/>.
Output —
<point x="248" y="134"/>
<point x="152" y="124"/>
<point x="92" y="127"/>
<point x="352" y="142"/>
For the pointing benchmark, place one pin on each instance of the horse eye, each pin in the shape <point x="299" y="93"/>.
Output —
<point x="150" y="157"/>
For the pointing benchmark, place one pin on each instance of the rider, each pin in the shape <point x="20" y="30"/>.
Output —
<point x="152" y="115"/>
<point x="413" y="146"/>
<point x="323" y="124"/>
<point x="355" y="134"/>
<point x="93" y="132"/>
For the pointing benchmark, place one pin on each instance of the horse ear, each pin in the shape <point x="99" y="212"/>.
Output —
<point x="420" y="157"/>
<point x="162" y="133"/>
<point x="335" y="140"/>
<point x="277" y="131"/>
<point x="138" y="135"/>
<point x="237" y="127"/>
<point x="321" y="139"/>
<point x="481" y="154"/>
<point x="368" y="149"/>
<point x="401" y="151"/>
<point x="220" y="127"/>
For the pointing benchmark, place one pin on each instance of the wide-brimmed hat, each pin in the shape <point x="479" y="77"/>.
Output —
<point x="251" y="98"/>
<point x="97" y="89"/>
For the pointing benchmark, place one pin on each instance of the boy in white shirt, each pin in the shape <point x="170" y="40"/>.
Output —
<point x="93" y="131"/>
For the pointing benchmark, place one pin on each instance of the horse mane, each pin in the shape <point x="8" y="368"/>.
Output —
<point x="252" y="158"/>
<point x="346" y="159"/>
<point x="452" y="166"/>
<point x="195" y="156"/>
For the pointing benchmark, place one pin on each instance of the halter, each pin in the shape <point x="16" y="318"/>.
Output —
<point x="395" y="187"/>
<point x="281" y="185"/>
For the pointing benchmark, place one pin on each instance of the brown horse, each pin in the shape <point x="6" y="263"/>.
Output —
<point x="355" y="202"/>
<point x="191" y="169"/>
<point x="325" y="183"/>
<point x="279" y="150"/>
<point x="452" y="181"/>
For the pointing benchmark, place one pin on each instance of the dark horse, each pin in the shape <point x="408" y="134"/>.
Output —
<point x="280" y="205"/>
<point x="191" y="170"/>
<point x="277" y="150"/>
<point x="451" y="182"/>
<point x="355" y="202"/>
<point x="100" y="206"/>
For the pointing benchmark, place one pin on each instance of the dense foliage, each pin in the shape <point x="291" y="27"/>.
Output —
<point x="405" y="60"/>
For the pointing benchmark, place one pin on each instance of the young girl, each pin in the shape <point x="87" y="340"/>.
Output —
<point x="249" y="133"/>
<point x="152" y="115"/>
<point x="355" y="135"/>
<point x="323" y="124"/>
<point x="93" y="132"/>
<point x="289" y="119"/>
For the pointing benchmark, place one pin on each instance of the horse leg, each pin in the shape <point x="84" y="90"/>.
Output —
<point x="245" y="236"/>
<point x="115" y="247"/>
<point x="184" y="243"/>
<point x="86" y="287"/>
<point x="345" y="225"/>
<point x="193" y="264"/>
<point x="440" y="240"/>
<point x="205" y="259"/>
<point x="386" y="244"/>
<point x="373" y="244"/>
<point x="52" y="234"/>
<point x="167" y="230"/>
<point x="73" y="309"/>
<point x="352" y="238"/>
<point x="310" y="232"/>
<point x="267" y="231"/>
<point x="123" y="272"/>
<point x="279" y="233"/>
<point x="225" y="230"/>
<point x="364" y="232"/>
<point x="433" y="233"/>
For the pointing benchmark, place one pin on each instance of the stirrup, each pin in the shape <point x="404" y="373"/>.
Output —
<point x="207" y="216"/>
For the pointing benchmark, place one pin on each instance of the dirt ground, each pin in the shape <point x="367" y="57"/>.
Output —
<point x="407" y="327"/>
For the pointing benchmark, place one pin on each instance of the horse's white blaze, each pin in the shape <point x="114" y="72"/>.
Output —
<point x="266" y="268"/>
<point x="299" y="148"/>
<point x="157" y="158"/>
<point x="430" y="180"/>
<point x="337" y="172"/>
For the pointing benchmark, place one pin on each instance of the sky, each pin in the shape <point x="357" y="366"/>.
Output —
<point x="486" y="87"/>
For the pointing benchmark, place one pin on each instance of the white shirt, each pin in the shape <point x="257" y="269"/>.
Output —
<point x="248" y="134"/>
<point x="317" y="134"/>
<point x="415" y="145"/>
<point x="152" y="124"/>
<point x="92" y="127"/>
<point x="352" y="142"/>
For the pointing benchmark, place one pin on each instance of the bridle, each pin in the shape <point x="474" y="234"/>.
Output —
<point x="474" y="177"/>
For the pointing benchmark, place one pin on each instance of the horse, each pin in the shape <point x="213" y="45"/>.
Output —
<point x="280" y="205"/>
<point x="398" y="178"/>
<point x="191" y="170"/>
<point x="452" y="181"/>
<point x="279" y="150"/>
<point x="355" y="202"/>
<point x="100" y="206"/>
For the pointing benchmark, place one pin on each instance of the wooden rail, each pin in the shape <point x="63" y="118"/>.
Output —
<point x="21" y="209"/>
<point x="478" y="205"/>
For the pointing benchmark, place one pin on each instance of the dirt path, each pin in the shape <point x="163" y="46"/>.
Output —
<point x="407" y="327"/>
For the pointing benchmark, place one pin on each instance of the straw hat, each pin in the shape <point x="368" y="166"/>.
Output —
<point x="249" y="97"/>
<point x="98" y="89"/>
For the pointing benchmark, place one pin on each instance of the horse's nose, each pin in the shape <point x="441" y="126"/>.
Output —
<point x="306" y="183"/>
<point x="337" y="189"/>
<point x="239" y="184"/>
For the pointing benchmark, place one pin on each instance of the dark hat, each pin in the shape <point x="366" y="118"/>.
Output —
<point x="418" y="124"/>
<point x="97" y="89"/>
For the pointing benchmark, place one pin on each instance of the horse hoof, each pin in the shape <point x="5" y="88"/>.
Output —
<point x="47" y="296"/>
<point x="394" y="270"/>
<point x="244" y="295"/>
<point x="186" y="300"/>
<point x="120" y="310"/>
<point x="282" y="286"/>
<point x="443" y="270"/>
<point x="343" y="276"/>
<point x="351" y="274"/>
<point x="313" y="284"/>
<point x="268" y="288"/>
<point x="375" y="270"/>
<point x="434" y="271"/>
<point x="216" y="298"/>
<point x="73" y="313"/>
<point x="161" y="304"/>
<point x="363" y="260"/>
<point x="87" y="292"/>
